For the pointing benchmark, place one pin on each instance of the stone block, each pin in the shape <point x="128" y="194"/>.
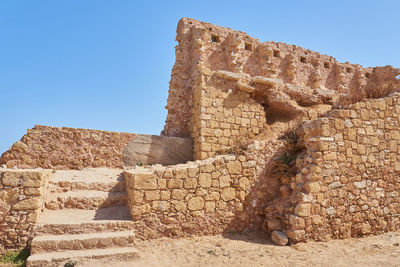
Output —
<point x="152" y="195"/>
<point x="11" y="179"/>
<point x="213" y="196"/>
<point x="196" y="203"/>
<point x="360" y="185"/>
<point x="205" y="180"/>
<point x="339" y="125"/>
<point x="193" y="171"/>
<point x="31" y="191"/>
<point x="152" y="149"/>
<point x="9" y="195"/>
<point x="209" y="206"/>
<point x="181" y="173"/>
<point x="175" y="183"/>
<point x="279" y="238"/>
<point x="296" y="222"/>
<point x="136" y="196"/>
<point x="28" y="204"/>
<point x="32" y="179"/>
<point x="224" y="181"/>
<point x="206" y="168"/>
<point x="190" y="183"/>
<point x="302" y="210"/>
<point x="296" y="235"/>
<point x="178" y="194"/>
<point x="144" y="181"/>
<point x="165" y="195"/>
<point x="228" y="194"/>
<point x="160" y="206"/>
<point x="311" y="187"/>
<point x="180" y="206"/>
<point x="138" y="210"/>
<point x="234" y="167"/>
<point x="32" y="216"/>
<point x="244" y="183"/>
<point x="330" y="156"/>
<point x="162" y="183"/>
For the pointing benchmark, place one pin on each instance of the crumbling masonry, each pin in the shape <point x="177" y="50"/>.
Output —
<point x="286" y="140"/>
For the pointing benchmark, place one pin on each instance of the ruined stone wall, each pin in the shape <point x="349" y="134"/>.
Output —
<point x="202" y="197"/>
<point x="222" y="78"/>
<point x="21" y="199"/>
<point x="225" y="117"/>
<point x="349" y="183"/>
<point x="67" y="148"/>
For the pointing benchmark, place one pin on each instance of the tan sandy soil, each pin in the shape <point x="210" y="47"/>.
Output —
<point x="251" y="250"/>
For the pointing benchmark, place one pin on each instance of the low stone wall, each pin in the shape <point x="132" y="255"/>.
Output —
<point x="349" y="185"/>
<point x="202" y="197"/>
<point x="67" y="148"/>
<point x="21" y="199"/>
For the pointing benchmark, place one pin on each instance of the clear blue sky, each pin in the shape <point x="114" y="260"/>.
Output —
<point x="106" y="64"/>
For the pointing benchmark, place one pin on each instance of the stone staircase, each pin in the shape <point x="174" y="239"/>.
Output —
<point x="86" y="216"/>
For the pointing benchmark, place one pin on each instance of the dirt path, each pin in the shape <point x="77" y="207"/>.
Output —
<point x="250" y="250"/>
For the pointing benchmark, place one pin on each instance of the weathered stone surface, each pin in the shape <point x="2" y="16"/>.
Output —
<point x="145" y="181"/>
<point x="196" y="203"/>
<point x="279" y="238"/>
<point x="302" y="209"/>
<point x="296" y="236"/>
<point x="228" y="194"/>
<point x="274" y="224"/>
<point x="234" y="167"/>
<point x="67" y="148"/>
<point x="237" y="96"/>
<point x="152" y="149"/>
<point x="28" y="204"/>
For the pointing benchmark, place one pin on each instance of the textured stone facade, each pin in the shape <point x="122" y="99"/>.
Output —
<point x="227" y="87"/>
<point x="349" y="177"/>
<point x="67" y="148"/>
<point x="21" y="199"/>
<point x="202" y="197"/>
<point x="277" y="146"/>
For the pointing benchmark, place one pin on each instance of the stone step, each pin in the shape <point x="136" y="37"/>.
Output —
<point x="64" y="186"/>
<point x="85" y="199"/>
<point x="54" y="258"/>
<point x="108" y="180"/>
<point x="53" y="243"/>
<point x="79" y="221"/>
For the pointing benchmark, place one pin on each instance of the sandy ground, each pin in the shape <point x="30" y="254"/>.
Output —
<point x="250" y="250"/>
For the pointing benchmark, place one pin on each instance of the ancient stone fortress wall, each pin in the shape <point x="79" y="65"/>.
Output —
<point x="221" y="76"/>
<point x="202" y="197"/>
<point x="21" y="199"/>
<point x="67" y="148"/>
<point x="243" y="99"/>
<point x="349" y="179"/>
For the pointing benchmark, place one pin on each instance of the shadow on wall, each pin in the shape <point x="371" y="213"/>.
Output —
<point x="271" y="186"/>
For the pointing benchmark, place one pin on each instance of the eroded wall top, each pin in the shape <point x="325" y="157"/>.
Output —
<point x="227" y="87"/>
<point x="218" y="48"/>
